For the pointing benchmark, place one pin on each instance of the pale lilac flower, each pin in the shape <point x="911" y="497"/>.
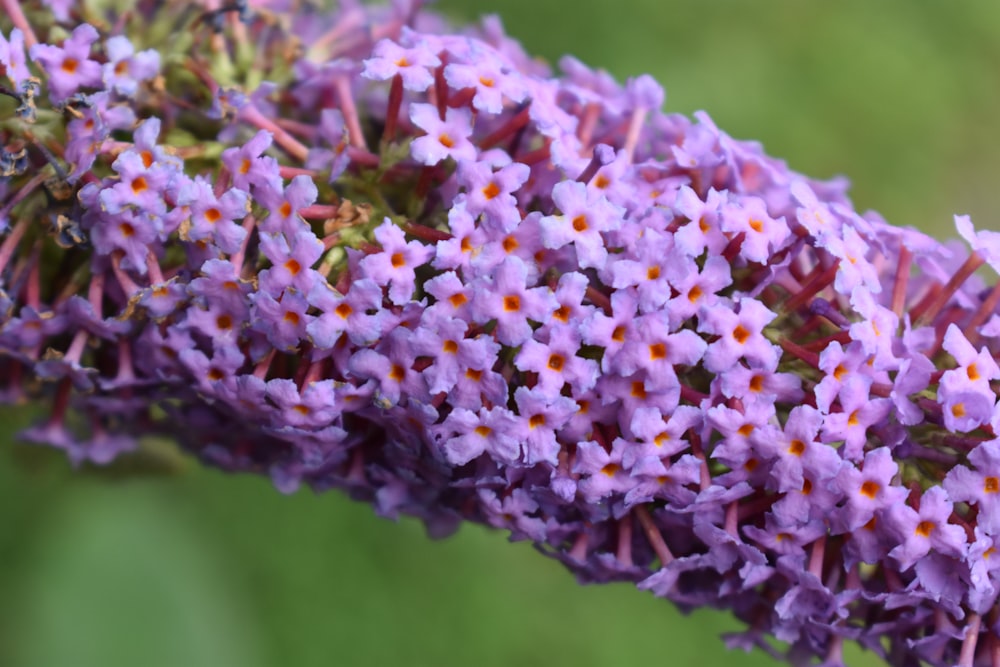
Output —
<point x="69" y="66"/>
<point x="448" y="138"/>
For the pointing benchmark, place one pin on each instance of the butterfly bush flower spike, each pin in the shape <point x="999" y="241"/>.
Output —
<point x="417" y="266"/>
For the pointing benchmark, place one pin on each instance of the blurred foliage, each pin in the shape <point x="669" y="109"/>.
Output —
<point x="202" y="569"/>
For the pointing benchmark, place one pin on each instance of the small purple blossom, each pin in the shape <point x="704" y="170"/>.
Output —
<point x="69" y="66"/>
<point x="413" y="65"/>
<point x="395" y="266"/>
<point x="125" y="68"/>
<point x="13" y="60"/>
<point x="582" y="218"/>
<point x="448" y="138"/>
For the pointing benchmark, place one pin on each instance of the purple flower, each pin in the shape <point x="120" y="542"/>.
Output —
<point x="448" y="138"/>
<point x="315" y="407"/>
<point x="69" y="66"/>
<point x="356" y="314"/>
<point x="466" y="435"/>
<point x="283" y="204"/>
<point x="489" y="192"/>
<point x="542" y="416"/>
<point x="397" y="263"/>
<point x="490" y="77"/>
<point x="741" y="336"/>
<point x="413" y="65"/>
<point x="979" y="486"/>
<point x="125" y="68"/>
<point x="762" y="235"/>
<point x="869" y="489"/>
<point x="556" y="363"/>
<point x="13" y="60"/>
<point x="283" y="321"/>
<point x="925" y="529"/>
<point x="583" y="216"/>
<point x="213" y="218"/>
<point x="290" y="263"/>
<point x="249" y="167"/>
<point x="509" y="302"/>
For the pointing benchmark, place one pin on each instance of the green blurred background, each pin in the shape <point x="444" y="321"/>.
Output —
<point x="203" y="569"/>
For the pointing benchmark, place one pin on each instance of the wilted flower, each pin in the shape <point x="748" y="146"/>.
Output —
<point x="427" y="272"/>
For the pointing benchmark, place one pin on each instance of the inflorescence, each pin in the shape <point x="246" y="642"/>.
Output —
<point x="360" y="249"/>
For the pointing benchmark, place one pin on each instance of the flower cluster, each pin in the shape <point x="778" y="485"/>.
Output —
<point x="414" y="265"/>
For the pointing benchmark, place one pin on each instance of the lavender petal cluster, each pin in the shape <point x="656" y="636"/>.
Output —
<point x="364" y="250"/>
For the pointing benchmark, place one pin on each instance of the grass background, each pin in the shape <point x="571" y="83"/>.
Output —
<point x="203" y="569"/>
